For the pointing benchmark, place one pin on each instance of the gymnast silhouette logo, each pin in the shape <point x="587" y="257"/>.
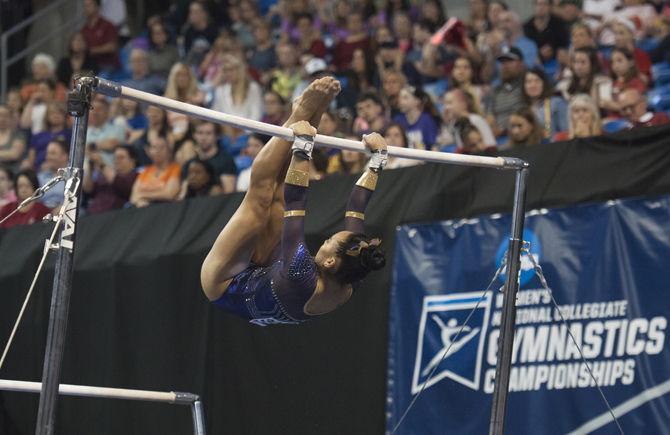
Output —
<point x="446" y="346"/>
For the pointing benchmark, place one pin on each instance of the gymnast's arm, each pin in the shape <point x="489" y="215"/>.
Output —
<point x="365" y="186"/>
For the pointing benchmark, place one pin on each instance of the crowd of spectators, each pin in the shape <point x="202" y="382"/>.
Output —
<point x="574" y="69"/>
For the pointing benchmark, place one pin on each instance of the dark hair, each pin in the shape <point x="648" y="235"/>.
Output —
<point x="62" y="144"/>
<point x="359" y="255"/>
<point x="370" y="96"/>
<point x="575" y="87"/>
<point x="300" y="15"/>
<point x="31" y="175"/>
<point x="427" y="25"/>
<point x="132" y="153"/>
<point x="427" y="104"/>
<point x="8" y="171"/>
<point x="213" y="181"/>
<point x="537" y="133"/>
<point x="437" y="20"/>
<point x="402" y="129"/>
<point x="547" y="88"/>
<point x="261" y="137"/>
<point x="632" y="71"/>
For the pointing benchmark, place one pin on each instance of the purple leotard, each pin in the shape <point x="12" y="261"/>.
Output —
<point x="277" y="294"/>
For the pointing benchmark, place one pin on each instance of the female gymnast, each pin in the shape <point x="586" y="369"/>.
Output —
<point x="259" y="267"/>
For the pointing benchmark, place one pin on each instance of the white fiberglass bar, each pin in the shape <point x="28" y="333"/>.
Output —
<point x="114" y="90"/>
<point x="88" y="391"/>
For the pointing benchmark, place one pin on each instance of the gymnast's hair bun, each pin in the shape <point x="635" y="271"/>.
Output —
<point x="372" y="258"/>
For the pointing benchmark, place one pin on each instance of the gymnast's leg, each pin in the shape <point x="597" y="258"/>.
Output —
<point x="247" y="231"/>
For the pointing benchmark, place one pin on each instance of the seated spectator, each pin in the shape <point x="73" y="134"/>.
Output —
<point x="395" y="136"/>
<point x="477" y="22"/>
<point x="26" y="184"/>
<point x="78" y="60"/>
<point x="7" y="193"/>
<point x="56" y="158"/>
<point x="371" y="117"/>
<point x="239" y="94"/>
<point x="433" y="12"/>
<point x="463" y="76"/>
<point x="430" y="60"/>
<point x="524" y="130"/>
<point x="330" y="126"/>
<point x="210" y="68"/>
<point x="263" y="57"/>
<point x="286" y="76"/>
<point x="242" y="17"/>
<point x="569" y="11"/>
<point x="103" y="134"/>
<point x="43" y="67"/>
<point x="508" y="95"/>
<point x="459" y="105"/>
<point x="274" y="108"/>
<point x="141" y="78"/>
<point x="510" y="24"/>
<point x="624" y="38"/>
<point x="162" y="53"/>
<point x="158" y="182"/>
<point x="401" y="24"/>
<point x="207" y="149"/>
<point x="624" y="76"/>
<point x="198" y="33"/>
<point x="158" y="127"/>
<point x="12" y="141"/>
<point x="55" y="128"/>
<point x="418" y="117"/>
<point x="353" y="162"/>
<point x="637" y="14"/>
<point x="200" y="180"/>
<point x="131" y="119"/>
<point x="357" y="38"/>
<point x="255" y="142"/>
<point x="392" y="83"/>
<point x="390" y="58"/>
<point x="473" y="142"/>
<point x="184" y="148"/>
<point x="583" y="119"/>
<point x="14" y="103"/>
<point x="182" y="86"/>
<point x="581" y="36"/>
<point x="102" y="38"/>
<point x="109" y="187"/>
<point x="309" y="36"/>
<point x="34" y="112"/>
<point x="550" y="111"/>
<point x="585" y="78"/>
<point x="548" y="31"/>
<point x="634" y="107"/>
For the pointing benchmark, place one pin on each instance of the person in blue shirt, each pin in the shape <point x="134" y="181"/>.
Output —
<point x="259" y="267"/>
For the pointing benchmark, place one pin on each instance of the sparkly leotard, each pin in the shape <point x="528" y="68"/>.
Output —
<point x="277" y="294"/>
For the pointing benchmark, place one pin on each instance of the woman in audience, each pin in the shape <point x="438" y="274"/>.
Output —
<point x="274" y="108"/>
<point x="524" y="130"/>
<point x="131" y="119"/>
<point x="78" y="60"/>
<point x="182" y="86"/>
<point x="43" y="67"/>
<point x="583" y="119"/>
<point x="238" y="94"/>
<point x="34" y="112"/>
<point x="210" y="68"/>
<point x="12" y="141"/>
<point x="255" y="143"/>
<point x="418" y="117"/>
<point x="625" y="38"/>
<point x="200" y="180"/>
<point x="14" y="103"/>
<point x="107" y="187"/>
<point x="463" y="76"/>
<point x="158" y="127"/>
<point x="585" y="78"/>
<point x="158" y="182"/>
<point x="162" y="54"/>
<point x="7" y="193"/>
<point x="550" y="111"/>
<point x="624" y="76"/>
<point x="26" y="184"/>
<point x="55" y="127"/>
<point x="395" y="136"/>
<point x="458" y="108"/>
<point x="472" y="140"/>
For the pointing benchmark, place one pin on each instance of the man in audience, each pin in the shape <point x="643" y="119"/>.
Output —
<point x="109" y="187"/>
<point x="141" y="79"/>
<point x="549" y="32"/>
<point x="101" y="37"/>
<point x="208" y="150"/>
<point x="370" y="111"/>
<point x="103" y="134"/>
<point x="199" y="33"/>
<point x="634" y="107"/>
<point x="508" y="96"/>
<point x="56" y="158"/>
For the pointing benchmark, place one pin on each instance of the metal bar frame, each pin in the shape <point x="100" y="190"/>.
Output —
<point x="172" y="397"/>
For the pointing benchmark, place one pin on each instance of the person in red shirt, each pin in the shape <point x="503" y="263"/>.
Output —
<point x="101" y="37"/>
<point x="634" y="107"/>
<point x="26" y="183"/>
<point x="624" y="38"/>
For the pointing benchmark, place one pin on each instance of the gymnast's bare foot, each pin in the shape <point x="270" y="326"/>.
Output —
<point x="314" y="101"/>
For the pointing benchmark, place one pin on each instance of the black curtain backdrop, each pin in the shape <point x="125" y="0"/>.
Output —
<point x="139" y="320"/>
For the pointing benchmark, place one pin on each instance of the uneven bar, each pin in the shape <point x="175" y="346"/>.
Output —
<point x="115" y="90"/>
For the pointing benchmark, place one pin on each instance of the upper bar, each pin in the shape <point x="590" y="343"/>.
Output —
<point x="112" y="89"/>
<point x="109" y="393"/>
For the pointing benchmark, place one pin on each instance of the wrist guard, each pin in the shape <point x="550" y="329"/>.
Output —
<point x="378" y="160"/>
<point x="303" y="146"/>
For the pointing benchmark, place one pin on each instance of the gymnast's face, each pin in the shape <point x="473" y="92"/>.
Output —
<point x="327" y="256"/>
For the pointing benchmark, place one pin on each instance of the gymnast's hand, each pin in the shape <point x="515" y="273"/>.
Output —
<point x="375" y="142"/>
<point x="303" y="128"/>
